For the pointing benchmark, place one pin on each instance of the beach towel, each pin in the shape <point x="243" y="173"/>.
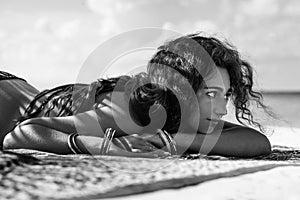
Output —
<point x="29" y="174"/>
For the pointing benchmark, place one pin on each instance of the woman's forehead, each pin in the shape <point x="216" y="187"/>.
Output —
<point x="219" y="79"/>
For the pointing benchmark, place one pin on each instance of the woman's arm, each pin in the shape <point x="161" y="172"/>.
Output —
<point x="39" y="137"/>
<point x="87" y="123"/>
<point x="235" y="140"/>
<point x="94" y="122"/>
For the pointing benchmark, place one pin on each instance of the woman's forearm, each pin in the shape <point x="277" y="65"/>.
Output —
<point x="237" y="142"/>
<point x="33" y="136"/>
<point x="42" y="138"/>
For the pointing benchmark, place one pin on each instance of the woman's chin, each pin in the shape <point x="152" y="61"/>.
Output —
<point x="207" y="130"/>
<point x="210" y="130"/>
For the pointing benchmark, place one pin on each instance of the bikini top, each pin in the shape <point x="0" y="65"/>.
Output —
<point x="66" y="100"/>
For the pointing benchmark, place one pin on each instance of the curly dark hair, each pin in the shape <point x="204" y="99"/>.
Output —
<point x="195" y="56"/>
<point x="153" y="105"/>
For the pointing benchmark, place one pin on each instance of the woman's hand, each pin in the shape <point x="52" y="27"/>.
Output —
<point x="92" y="146"/>
<point x="116" y="151"/>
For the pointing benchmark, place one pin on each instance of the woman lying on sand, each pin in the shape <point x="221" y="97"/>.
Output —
<point x="188" y="84"/>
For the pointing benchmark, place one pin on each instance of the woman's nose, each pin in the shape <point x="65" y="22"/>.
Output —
<point x="220" y="108"/>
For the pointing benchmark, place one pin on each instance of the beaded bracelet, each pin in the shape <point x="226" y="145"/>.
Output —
<point x="108" y="137"/>
<point x="72" y="144"/>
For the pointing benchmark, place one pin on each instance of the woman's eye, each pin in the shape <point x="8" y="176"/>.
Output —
<point x="211" y="94"/>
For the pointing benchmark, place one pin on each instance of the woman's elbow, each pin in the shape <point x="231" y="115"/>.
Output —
<point x="260" y="147"/>
<point x="265" y="146"/>
<point x="13" y="139"/>
<point x="9" y="142"/>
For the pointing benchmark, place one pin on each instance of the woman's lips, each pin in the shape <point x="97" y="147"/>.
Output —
<point x="213" y="123"/>
<point x="213" y="120"/>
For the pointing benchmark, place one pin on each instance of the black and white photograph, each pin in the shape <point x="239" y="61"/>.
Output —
<point x="149" y="99"/>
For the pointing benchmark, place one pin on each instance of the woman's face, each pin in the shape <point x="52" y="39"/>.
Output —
<point x="212" y="101"/>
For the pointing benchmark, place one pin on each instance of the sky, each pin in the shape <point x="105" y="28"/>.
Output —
<point x="50" y="42"/>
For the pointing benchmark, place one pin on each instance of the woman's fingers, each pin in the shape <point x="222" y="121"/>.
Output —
<point x="153" y="154"/>
<point x="157" y="154"/>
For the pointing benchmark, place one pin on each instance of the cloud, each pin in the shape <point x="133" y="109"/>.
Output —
<point x="109" y="7"/>
<point x="68" y="29"/>
<point x="62" y="29"/>
<point x="108" y="26"/>
<point x="47" y="50"/>
<point x="259" y="8"/>
<point x="186" y="27"/>
<point x="110" y="11"/>
<point x="292" y="8"/>
<point x="255" y="13"/>
<point x="266" y="30"/>
<point x="42" y="24"/>
<point x="2" y="34"/>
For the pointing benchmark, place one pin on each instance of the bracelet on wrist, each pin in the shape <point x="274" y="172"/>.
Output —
<point x="106" y="143"/>
<point x="72" y="144"/>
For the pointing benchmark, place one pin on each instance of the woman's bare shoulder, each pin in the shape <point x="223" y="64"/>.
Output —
<point x="15" y="95"/>
<point x="17" y="88"/>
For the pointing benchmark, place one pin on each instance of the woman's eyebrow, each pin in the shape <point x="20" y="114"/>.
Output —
<point x="214" y="87"/>
<point x="230" y="90"/>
